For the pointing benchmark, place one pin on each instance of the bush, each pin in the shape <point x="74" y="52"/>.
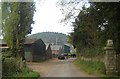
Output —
<point x="25" y="73"/>
<point x="12" y="70"/>
<point x="9" y="66"/>
<point x="92" y="52"/>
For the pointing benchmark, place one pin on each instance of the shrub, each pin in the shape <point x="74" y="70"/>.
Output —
<point x="12" y="70"/>
<point x="26" y="73"/>
<point x="9" y="66"/>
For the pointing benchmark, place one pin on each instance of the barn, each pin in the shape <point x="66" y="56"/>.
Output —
<point x="35" y="50"/>
<point x="66" y="48"/>
<point x="48" y="51"/>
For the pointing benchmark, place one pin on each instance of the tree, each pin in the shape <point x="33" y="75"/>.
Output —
<point x="17" y="20"/>
<point x="70" y="9"/>
<point x="108" y="21"/>
<point x="96" y="24"/>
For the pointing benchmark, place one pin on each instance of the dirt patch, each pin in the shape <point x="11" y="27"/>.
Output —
<point x="42" y="67"/>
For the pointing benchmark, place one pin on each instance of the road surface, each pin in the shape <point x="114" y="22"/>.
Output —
<point x="58" y="68"/>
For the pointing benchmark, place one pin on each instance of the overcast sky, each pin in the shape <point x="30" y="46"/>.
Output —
<point x="47" y="18"/>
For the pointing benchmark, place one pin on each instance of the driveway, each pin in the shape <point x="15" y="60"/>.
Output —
<point x="58" y="68"/>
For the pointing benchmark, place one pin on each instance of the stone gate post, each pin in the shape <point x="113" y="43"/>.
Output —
<point x="110" y="59"/>
<point x="118" y="63"/>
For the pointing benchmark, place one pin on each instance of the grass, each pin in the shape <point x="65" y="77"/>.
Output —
<point x="25" y="73"/>
<point x="91" y="67"/>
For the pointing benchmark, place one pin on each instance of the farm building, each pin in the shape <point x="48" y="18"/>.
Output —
<point x="66" y="48"/>
<point x="34" y="50"/>
<point x="48" y="51"/>
<point x="56" y="49"/>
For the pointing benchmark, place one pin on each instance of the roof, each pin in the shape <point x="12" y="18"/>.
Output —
<point x="27" y="41"/>
<point x="2" y="42"/>
<point x="30" y="40"/>
<point x="67" y="44"/>
<point x="47" y="45"/>
<point x="56" y="47"/>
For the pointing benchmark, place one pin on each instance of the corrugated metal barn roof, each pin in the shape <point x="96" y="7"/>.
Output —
<point x="30" y="41"/>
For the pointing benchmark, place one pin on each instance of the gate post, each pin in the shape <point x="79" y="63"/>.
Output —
<point x="118" y="63"/>
<point x="110" y="59"/>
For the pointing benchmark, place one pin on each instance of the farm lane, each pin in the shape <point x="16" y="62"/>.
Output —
<point x="58" y="68"/>
<point x="42" y="67"/>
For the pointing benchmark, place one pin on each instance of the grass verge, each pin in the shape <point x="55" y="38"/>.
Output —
<point x="24" y="73"/>
<point x="91" y="67"/>
<point x="94" y="67"/>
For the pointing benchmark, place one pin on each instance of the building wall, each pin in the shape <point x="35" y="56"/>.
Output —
<point x="49" y="52"/>
<point x="55" y="52"/>
<point x="66" y="49"/>
<point x="39" y="52"/>
<point x="28" y="52"/>
<point x="35" y="51"/>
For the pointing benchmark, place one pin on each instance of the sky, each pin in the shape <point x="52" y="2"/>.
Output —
<point x="47" y="18"/>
